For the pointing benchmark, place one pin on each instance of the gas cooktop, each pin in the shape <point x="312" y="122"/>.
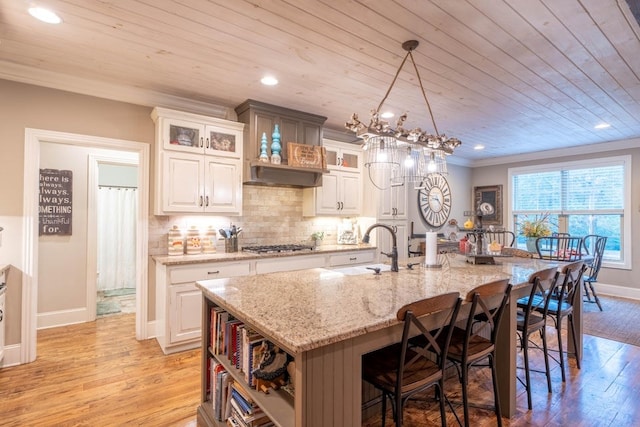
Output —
<point x="264" y="249"/>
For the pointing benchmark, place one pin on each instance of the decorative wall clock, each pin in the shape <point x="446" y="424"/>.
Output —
<point x="434" y="200"/>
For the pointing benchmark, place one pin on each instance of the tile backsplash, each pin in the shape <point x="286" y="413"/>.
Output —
<point x="271" y="215"/>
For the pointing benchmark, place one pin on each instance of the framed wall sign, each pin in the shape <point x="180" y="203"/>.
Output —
<point x="488" y="202"/>
<point x="56" y="202"/>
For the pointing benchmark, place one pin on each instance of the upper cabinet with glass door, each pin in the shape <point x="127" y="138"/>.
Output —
<point x="193" y="133"/>
<point x="342" y="156"/>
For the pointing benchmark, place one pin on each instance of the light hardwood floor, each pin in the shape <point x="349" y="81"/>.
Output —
<point x="97" y="374"/>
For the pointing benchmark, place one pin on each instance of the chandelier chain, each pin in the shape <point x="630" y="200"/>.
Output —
<point x="424" y="94"/>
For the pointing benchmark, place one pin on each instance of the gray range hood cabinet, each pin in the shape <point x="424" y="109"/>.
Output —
<point x="295" y="126"/>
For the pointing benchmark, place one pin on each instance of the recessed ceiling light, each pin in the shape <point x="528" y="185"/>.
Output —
<point x="45" y="15"/>
<point x="387" y="115"/>
<point x="269" y="81"/>
<point x="602" y="126"/>
<point x="478" y="147"/>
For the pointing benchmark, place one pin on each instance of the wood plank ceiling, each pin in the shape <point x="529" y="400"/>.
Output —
<point x="516" y="76"/>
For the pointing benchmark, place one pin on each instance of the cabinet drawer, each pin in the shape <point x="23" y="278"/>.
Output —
<point x="208" y="271"/>
<point x="289" y="263"/>
<point x="350" y="258"/>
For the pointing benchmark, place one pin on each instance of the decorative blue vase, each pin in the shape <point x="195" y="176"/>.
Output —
<point x="264" y="157"/>
<point x="275" y="146"/>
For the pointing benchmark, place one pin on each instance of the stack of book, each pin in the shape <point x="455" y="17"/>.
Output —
<point x="242" y="410"/>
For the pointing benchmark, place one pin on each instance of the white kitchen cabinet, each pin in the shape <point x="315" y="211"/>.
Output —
<point x="342" y="156"/>
<point x="179" y="301"/>
<point x="185" y="301"/>
<point x="196" y="183"/>
<point x="384" y="200"/>
<point x="198" y="164"/>
<point x="393" y="202"/>
<point x="341" y="190"/>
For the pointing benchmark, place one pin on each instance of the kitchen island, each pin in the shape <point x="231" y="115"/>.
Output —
<point x="328" y="318"/>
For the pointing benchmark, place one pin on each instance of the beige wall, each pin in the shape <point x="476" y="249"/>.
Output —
<point x="25" y="106"/>
<point x="498" y="174"/>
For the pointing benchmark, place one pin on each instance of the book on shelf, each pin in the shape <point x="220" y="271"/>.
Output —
<point x="230" y="337"/>
<point x="251" y="420"/>
<point x="221" y="318"/>
<point x="219" y="377"/>
<point x="239" y="337"/>
<point x="252" y="349"/>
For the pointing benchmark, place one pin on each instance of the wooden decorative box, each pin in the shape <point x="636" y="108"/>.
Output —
<point x="306" y="156"/>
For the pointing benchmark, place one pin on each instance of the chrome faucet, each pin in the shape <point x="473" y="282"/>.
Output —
<point x="394" y="250"/>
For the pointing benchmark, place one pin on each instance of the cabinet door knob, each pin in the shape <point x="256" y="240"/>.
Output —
<point x="206" y="201"/>
<point x="201" y="142"/>
<point x="208" y="144"/>
<point x="337" y="205"/>
<point x="213" y="272"/>
<point x="355" y="258"/>
<point x="201" y="201"/>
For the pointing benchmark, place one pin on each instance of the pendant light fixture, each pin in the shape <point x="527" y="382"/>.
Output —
<point x="411" y="154"/>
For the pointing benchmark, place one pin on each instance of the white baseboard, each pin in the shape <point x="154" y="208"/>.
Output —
<point x="617" y="291"/>
<point x="53" y="319"/>
<point x="11" y="356"/>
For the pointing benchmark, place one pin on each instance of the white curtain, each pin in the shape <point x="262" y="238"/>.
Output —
<point x="117" y="214"/>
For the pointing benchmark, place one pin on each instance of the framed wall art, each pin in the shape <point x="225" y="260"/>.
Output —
<point x="488" y="202"/>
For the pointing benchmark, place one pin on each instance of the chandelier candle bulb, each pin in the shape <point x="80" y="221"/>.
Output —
<point x="431" y="250"/>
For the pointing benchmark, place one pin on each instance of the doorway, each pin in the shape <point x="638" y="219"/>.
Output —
<point x="115" y="205"/>
<point x="33" y="140"/>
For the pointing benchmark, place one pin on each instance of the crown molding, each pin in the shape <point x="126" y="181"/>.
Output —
<point x="561" y="152"/>
<point x="114" y="92"/>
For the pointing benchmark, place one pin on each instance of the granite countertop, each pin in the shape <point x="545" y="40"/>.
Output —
<point x="241" y="256"/>
<point x="303" y="310"/>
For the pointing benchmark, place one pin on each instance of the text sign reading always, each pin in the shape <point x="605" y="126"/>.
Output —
<point x="55" y="202"/>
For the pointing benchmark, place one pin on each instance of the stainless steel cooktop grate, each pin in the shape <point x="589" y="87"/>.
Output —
<point x="262" y="249"/>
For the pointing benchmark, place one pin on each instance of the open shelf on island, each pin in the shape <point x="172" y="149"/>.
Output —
<point x="278" y="404"/>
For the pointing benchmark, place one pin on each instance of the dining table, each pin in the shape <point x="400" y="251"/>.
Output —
<point x="326" y="319"/>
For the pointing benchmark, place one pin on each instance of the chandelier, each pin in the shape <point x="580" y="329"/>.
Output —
<point x="411" y="154"/>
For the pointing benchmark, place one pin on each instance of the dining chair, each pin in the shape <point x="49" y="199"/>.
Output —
<point x="401" y="370"/>
<point x="591" y="275"/>
<point x="476" y="342"/>
<point x="559" y="248"/>
<point x="561" y="305"/>
<point x="588" y="243"/>
<point x="532" y="318"/>
<point x="505" y="237"/>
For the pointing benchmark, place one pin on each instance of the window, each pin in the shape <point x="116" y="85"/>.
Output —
<point x="582" y="197"/>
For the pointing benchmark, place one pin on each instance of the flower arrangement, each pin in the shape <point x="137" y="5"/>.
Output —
<point x="537" y="227"/>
